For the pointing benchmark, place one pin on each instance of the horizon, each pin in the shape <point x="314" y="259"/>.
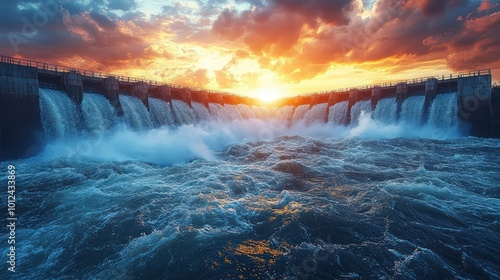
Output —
<point x="262" y="49"/>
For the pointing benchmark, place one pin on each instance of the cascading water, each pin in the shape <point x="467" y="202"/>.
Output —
<point x="318" y="113"/>
<point x="160" y="112"/>
<point x="412" y="110"/>
<point x="246" y="111"/>
<point x="200" y="111"/>
<point x="261" y="112"/>
<point x="285" y="113"/>
<point x="444" y="111"/>
<point x="182" y="112"/>
<point x="249" y="198"/>
<point x="135" y="112"/>
<point x="98" y="113"/>
<point x="234" y="112"/>
<point x="219" y="112"/>
<point x="338" y="113"/>
<point x="300" y="113"/>
<point x="386" y="111"/>
<point x="358" y="108"/>
<point x="60" y="116"/>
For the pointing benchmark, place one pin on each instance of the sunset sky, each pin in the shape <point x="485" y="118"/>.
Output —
<point x="258" y="47"/>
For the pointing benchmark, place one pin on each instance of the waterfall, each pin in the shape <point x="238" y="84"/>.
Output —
<point x="201" y="112"/>
<point x="135" y="112"/>
<point x="98" y="113"/>
<point x="62" y="118"/>
<point x="444" y="111"/>
<point x="261" y="112"/>
<point x="412" y="110"/>
<point x="246" y="111"/>
<point x="300" y="113"/>
<point x="234" y="113"/>
<point x="284" y="113"/>
<point x="59" y="114"/>
<point x="386" y="111"/>
<point x="338" y="113"/>
<point x="160" y="112"/>
<point x="358" y="108"/>
<point x="219" y="112"/>
<point x="182" y="112"/>
<point x="316" y="114"/>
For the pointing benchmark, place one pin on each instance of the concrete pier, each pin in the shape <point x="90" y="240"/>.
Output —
<point x="111" y="90"/>
<point x="401" y="95"/>
<point x="161" y="92"/>
<point x="474" y="103"/>
<point x="430" y="94"/>
<point x="140" y="91"/>
<point x="21" y="132"/>
<point x="183" y="94"/>
<point x="73" y="85"/>
<point x="355" y="96"/>
<point x="200" y="96"/>
<point x="376" y="96"/>
<point x="332" y="99"/>
<point x="495" y="113"/>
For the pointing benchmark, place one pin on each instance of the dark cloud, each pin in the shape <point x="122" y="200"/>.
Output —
<point x="50" y="32"/>
<point x="438" y="7"/>
<point x="294" y="38"/>
<point x="102" y="20"/>
<point x="330" y="11"/>
<point x="229" y="25"/>
<point x="122" y="5"/>
<point x="395" y="29"/>
<point x="476" y="45"/>
<point x="276" y="28"/>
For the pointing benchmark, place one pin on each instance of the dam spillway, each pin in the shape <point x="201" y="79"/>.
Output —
<point x="41" y="102"/>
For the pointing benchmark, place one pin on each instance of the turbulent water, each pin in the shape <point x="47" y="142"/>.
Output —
<point x="221" y="194"/>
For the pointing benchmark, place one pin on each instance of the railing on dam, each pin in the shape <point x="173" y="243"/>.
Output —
<point x="441" y="78"/>
<point x="53" y="68"/>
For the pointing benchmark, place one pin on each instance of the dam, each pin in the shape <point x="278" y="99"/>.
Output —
<point x="41" y="102"/>
<point x="121" y="178"/>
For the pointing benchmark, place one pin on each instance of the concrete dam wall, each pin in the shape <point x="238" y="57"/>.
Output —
<point x="28" y="89"/>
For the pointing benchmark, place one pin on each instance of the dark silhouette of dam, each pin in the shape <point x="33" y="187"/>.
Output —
<point x="27" y="88"/>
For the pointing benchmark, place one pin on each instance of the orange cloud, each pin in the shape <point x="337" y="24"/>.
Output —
<point x="277" y="41"/>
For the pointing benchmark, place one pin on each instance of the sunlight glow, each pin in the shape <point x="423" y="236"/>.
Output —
<point x="267" y="95"/>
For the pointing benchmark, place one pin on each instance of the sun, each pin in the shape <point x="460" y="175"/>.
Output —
<point x="267" y="95"/>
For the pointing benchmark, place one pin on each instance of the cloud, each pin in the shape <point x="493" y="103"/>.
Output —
<point x="88" y="38"/>
<point x="197" y="78"/>
<point x="315" y="39"/>
<point x="122" y="5"/>
<point x="476" y="45"/>
<point x="294" y="40"/>
<point x="276" y="28"/>
<point x="438" y="7"/>
<point x="334" y="12"/>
